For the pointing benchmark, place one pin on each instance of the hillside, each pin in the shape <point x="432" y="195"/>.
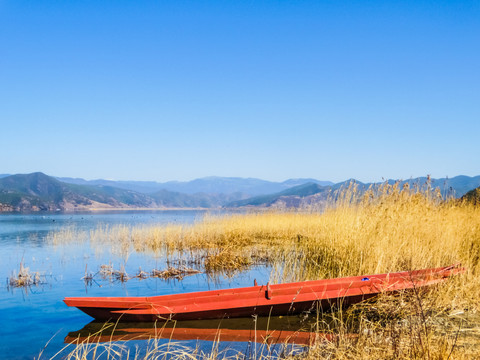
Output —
<point x="473" y="196"/>
<point x="287" y="196"/>
<point x="37" y="191"/>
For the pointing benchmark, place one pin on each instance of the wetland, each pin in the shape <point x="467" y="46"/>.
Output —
<point x="382" y="230"/>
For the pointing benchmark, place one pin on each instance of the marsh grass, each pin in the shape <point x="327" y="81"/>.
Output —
<point x="405" y="326"/>
<point x="383" y="229"/>
<point x="24" y="278"/>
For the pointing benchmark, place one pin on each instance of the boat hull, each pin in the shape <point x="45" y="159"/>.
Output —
<point x="105" y="313"/>
<point x="263" y="300"/>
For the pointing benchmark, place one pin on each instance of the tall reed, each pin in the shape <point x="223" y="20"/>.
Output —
<point x="385" y="228"/>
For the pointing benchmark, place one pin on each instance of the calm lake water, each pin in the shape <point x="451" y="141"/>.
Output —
<point x="35" y="316"/>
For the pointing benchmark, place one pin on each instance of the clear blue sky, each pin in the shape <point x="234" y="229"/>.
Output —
<point x="175" y="90"/>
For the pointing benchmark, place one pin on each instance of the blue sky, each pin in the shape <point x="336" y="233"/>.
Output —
<point x="176" y="90"/>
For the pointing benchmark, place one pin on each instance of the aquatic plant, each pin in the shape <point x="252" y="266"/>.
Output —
<point x="24" y="278"/>
<point x="108" y="272"/>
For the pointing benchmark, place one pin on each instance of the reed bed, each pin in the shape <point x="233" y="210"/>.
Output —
<point x="383" y="229"/>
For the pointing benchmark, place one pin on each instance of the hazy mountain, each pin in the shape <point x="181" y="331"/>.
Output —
<point x="295" y="182"/>
<point x="138" y="186"/>
<point x="208" y="185"/>
<point x="299" y="191"/>
<point x="203" y="200"/>
<point x="226" y="185"/>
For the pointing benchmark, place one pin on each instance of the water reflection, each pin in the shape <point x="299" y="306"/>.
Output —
<point x="37" y="311"/>
<point x="267" y="330"/>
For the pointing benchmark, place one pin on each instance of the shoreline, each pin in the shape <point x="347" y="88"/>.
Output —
<point x="115" y="209"/>
<point x="95" y="210"/>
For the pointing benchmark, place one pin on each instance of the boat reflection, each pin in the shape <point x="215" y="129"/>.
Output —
<point x="269" y="330"/>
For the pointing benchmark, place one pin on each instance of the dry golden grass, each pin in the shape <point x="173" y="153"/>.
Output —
<point x="384" y="229"/>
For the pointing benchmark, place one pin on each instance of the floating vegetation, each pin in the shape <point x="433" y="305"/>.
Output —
<point x="107" y="272"/>
<point x="25" y="278"/>
<point x="174" y="273"/>
<point x="142" y="274"/>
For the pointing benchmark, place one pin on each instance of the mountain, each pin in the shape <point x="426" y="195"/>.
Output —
<point x="199" y="200"/>
<point x="40" y="192"/>
<point x="37" y="191"/>
<point x="302" y="194"/>
<point x="459" y="185"/>
<point x="145" y="187"/>
<point x="295" y="182"/>
<point x="473" y="196"/>
<point x="300" y="191"/>
<point x="455" y="187"/>
<point x="225" y="185"/>
<point x="208" y="185"/>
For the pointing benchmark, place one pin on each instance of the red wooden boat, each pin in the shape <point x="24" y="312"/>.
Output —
<point x="262" y="300"/>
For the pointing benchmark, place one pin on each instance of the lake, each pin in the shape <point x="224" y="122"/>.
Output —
<point x="36" y="316"/>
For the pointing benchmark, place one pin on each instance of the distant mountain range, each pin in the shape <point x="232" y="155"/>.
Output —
<point x="208" y="185"/>
<point x="40" y="192"/>
<point x="308" y="193"/>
